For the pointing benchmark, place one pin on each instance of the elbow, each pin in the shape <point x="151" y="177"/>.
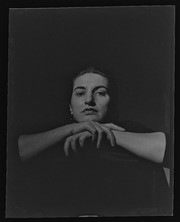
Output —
<point x="160" y="147"/>
<point x="21" y="148"/>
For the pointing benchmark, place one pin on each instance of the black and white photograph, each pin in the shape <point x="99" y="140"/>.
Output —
<point x="90" y="130"/>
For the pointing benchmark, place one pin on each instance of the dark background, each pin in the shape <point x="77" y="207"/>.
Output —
<point x="48" y="46"/>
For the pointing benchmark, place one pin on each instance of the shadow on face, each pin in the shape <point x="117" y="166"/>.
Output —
<point x="90" y="98"/>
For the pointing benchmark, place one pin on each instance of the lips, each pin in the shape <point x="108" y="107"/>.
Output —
<point x="89" y="111"/>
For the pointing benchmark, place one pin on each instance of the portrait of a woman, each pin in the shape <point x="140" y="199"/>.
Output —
<point x="94" y="162"/>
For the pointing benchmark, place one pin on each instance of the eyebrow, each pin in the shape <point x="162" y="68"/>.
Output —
<point x="97" y="87"/>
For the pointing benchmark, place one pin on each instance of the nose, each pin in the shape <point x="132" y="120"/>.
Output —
<point x="89" y="99"/>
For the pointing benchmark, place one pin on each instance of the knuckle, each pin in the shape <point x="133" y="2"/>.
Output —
<point x="101" y="131"/>
<point x="80" y="140"/>
<point x="93" y="131"/>
<point x="68" y="139"/>
<point x="109" y="132"/>
<point x="73" y="140"/>
<point x="84" y="135"/>
<point x="106" y="129"/>
<point x="110" y="125"/>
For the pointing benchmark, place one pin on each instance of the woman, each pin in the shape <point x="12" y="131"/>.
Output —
<point x="117" y="166"/>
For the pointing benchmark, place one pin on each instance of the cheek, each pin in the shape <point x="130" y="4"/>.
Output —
<point x="103" y="103"/>
<point x="76" y="104"/>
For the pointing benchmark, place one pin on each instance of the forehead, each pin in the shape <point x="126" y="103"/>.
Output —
<point x="91" y="79"/>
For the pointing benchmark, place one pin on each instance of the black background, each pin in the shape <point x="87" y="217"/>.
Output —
<point x="48" y="46"/>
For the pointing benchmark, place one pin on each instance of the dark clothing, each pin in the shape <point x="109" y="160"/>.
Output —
<point x="107" y="182"/>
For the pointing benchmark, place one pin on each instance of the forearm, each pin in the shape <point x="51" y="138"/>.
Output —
<point x="147" y="145"/>
<point x="30" y="145"/>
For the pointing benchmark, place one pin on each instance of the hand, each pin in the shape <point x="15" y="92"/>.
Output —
<point x="101" y="130"/>
<point x="112" y="126"/>
<point x="107" y="127"/>
<point x="93" y="128"/>
<point x="84" y="126"/>
<point x="96" y="128"/>
<point x="71" y="141"/>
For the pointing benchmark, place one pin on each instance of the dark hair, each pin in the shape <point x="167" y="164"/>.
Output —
<point x="90" y="70"/>
<point x="113" y="113"/>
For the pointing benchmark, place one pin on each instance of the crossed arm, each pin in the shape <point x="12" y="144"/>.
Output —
<point x="146" y="145"/>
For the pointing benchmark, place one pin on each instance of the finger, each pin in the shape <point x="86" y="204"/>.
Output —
<point x="110" y="135"/>
<point x="81" y="140"/>
<point x="93" y="131"/>
<point x="114" y="127"/>
<point x="83" y="137"/>
<point x="66" y="146"/>
<point x="73" y="143"/>
<point x="100" y="133"/>
<point x="75" y="138"/>
<point x="87" y="126"/>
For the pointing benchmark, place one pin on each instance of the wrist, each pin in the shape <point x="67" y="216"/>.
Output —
<point x="69" y="129"/>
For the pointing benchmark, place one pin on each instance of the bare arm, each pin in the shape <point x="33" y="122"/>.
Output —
<point x="147" y="145"/>
<point x="30" y="145"/>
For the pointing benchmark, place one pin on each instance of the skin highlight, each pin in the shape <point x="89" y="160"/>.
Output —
<point x="90" y="101"/>
<point x="90" y="98"/>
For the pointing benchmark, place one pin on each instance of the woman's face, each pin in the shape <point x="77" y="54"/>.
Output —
<point x="90" y="98"/>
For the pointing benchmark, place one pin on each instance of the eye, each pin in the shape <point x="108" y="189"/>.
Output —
<point x="80" y="93"/>
<point x="101" y="93"/>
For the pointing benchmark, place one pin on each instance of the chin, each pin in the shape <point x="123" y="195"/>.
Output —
<point x="91" y="118"/>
